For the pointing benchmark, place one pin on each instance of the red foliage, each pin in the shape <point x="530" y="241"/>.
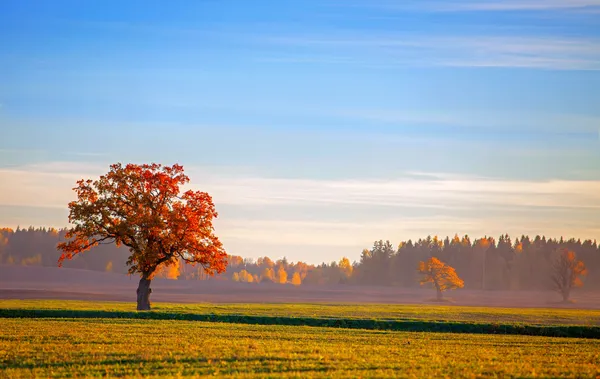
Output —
<point x="144" y="208"/>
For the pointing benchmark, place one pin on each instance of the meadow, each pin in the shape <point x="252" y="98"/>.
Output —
<point x="57" y="345"/>
<point x="541" y="316"/>
<point x="552" y="322"/>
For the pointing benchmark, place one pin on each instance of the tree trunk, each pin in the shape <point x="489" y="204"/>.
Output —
<point x="483" y="272"/>
<point x="143" y="294"/>
<point x="439" y="293"/>
<point x="565" y="294"/>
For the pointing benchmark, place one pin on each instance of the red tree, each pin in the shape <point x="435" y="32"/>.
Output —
<point x="144" y="208"/>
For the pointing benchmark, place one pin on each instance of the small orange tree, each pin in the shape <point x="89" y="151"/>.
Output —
<point x="143" y="207"/>
<point x="296" y="279"/>
<point x="442" y="276"/>
<point x="567" y="272"/>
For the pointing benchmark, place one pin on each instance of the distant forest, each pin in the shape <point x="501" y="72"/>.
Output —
<point x="485" y="263"/>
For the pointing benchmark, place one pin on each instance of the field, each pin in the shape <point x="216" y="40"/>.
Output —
<point x="55" y="344"/>
<point x="538" y="316"/>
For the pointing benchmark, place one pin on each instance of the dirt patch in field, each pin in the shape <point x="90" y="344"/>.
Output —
<point x="59" y="283"/>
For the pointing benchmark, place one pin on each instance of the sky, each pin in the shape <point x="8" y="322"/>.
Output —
<point x="318" y="126"/>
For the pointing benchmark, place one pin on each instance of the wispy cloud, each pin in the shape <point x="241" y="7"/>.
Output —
<point x="333" y="214"/>
<point x="43" y="185"/>
<point x="361" y="233"/>
<point x="463" y="51"/>
<point x="513" y="5"/>
<point x="50" y="185"/>
<point x="515" y="121"/>
<point x="404" y="192"/>
<point x="355" y="234"/>
<point x="24" y="151"/>
<point x="84" y="154"/>
<point x="479" y="5"/>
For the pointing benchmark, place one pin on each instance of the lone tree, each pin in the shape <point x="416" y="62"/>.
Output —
<point x="144" y="208"/>
<point x="442" y="276"/>
<point x="567" y="272"/>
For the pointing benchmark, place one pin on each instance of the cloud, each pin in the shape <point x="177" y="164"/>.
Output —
<point x="408" y="192"/>
<point x="23" y="151"/>
<point x="84" y="154"/>
<point x="473" y="119"/>
<point x="359" y="235"/>
<point x="397" y="50"/>
<point x="328" y="215"/>
<point x="524" y="52"/>
<point x="49" y="184"/>
<point x="591" y="6"/>
<point x="513" y="5"/>
<point x="333" y="233"/>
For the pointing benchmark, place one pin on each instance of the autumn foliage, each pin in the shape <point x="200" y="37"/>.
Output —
<point x="442" y="276"/>
<point x="144" y="208"/>
<point x="486" y="263"/>
<point x="567" y="273"/>
<point x="168" y="272"/>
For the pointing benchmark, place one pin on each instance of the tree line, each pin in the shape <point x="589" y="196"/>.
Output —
<point x="485" y="263"/>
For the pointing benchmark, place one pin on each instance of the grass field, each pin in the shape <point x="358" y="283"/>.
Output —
<point x="538" y="322"/>
<point x="537" y="316"/>
<point x="96" y="347"/>
<point x="54" y="347"/>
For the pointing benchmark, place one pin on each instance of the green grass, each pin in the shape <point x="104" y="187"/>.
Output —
<point x="101" y="347"/>
<point x="529" y="316"/>
<point x="536" y="322"/>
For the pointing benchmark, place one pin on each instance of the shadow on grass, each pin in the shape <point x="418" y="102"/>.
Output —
<point x="575" y="331"/>
<point x="162" y="361"/>
<point x="190" y="365"/>
<point x="440" y="301"/>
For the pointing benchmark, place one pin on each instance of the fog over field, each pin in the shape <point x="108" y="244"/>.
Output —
<point x="75" y="284"/>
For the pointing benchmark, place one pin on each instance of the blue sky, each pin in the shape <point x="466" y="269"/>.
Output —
<point x="317" y="126"/>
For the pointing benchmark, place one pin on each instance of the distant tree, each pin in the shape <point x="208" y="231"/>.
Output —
<point x="4" y="233"/>
<point x="109" y="266"/>
<point x="505" y="250"/>
<point x="235" y="277"/>
<point x="234" y="261"/>
<point x="376" y="264"/>
<point x="481" y="248"/>
<point x="296" y="279"/>
<point x="168" y="272"/>
<point x="281" y="275"/>
<point x="567" y="273"/>
<point x="246" y="277"/>
<point x="283" y="261"/>
<point x="144" y="208"/>
<point x="36" y="260"/>
<point x="265" y="262"/>
<point x="442" y="276"/>
<point x="302" y="269"/>
<point x="345" y="267"/>
<point x="268" y="275"/>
